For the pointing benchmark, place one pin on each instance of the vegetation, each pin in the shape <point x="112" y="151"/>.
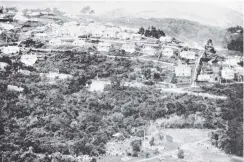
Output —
<point x="151" y="32"/>
<point x="234" y="38"/>
<point x="180" y="154"/>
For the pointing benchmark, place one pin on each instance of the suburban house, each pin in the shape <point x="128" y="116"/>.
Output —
<point x="129" y="48"/>
<point x="111" y="32"/>
<point x="165" y="39"/>
<point x="55" y="42"/>
<point x="227" y="73"/>
<point x="104" y="47"/>
<point x="183" y="71"/>
<point x="24" y="72"/>
<point x="152" y="40"/>
<point x="28" y="60"/>
<point x="123" y="35"/>
<point x="52" y="76"/>
<point x="149" y="50"/>
<point x="188" y="55"/>
<point x="20" y="17"/>
<point x="136" y="37"/>
<point x="10" y="49"/>
<point x="167" y="52"/>
<point x="204" y="78"/>
<point x="34" y="14"/>
<point x="6" y="26"/>
<point x="3" y="66"/>
<point x="41" y="35"/>
<point x="79" y="43"/>
<point x="15" y="88"/>
<point x="232" y="61"/>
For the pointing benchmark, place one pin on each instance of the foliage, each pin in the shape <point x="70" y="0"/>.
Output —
<point x="151" y="32"/>
<point x="180" y="154"/>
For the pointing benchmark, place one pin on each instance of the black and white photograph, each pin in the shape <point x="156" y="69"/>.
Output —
<point x="121" y="81"/>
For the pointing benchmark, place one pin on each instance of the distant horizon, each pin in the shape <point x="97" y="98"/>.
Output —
<point x="229" y="13"/>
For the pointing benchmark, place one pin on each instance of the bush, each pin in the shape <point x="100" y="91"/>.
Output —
<point x="180" y="154"/>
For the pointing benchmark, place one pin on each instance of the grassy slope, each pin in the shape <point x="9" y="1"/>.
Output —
<point x="184" y="30"/>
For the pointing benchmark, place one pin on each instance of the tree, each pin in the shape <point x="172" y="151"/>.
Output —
<point x="180" y="154"/>
<point x="141" y="31"/>
<point x="136" y="145"/>
<point x="152" y="142"/>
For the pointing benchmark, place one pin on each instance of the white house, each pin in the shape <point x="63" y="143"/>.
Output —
<point x="239" y="70"/>
<point x="51" y="76"/>
<point x="228" y="73"/>
<point x="232" y="61"/>
<point x="109" y="34"/>
<point x="35" y="14"/>
<point x="24" y="72"/>
<point x="15" y="88"/>
<point x="20" y="17"/>
<point x="79" y="43"/>
<point x="6" y="26"/>
<point x="10" y="49"/>
<point x="188" y="55"/>
<point x="55" y="42"/>
<point x="44" y="13"/>
<point x="28" y="60"/>
<point x="183" y="71"/>
<point x="129" y="48"/>
<point x="168" y="52"/>
<point x="98" y="85"/>
<point x="41" y="35"/>
<point x="123" y="35"/>
<point x="3" y="66"/>
<point x="204" y="77"/>
<point x="104" y="47"/>
<point x="136" y="37"/>
<point x="149" y="50"/>
<point x="166" y="39"/>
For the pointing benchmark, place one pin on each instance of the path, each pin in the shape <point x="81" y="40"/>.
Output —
<point x="181" y="91"/>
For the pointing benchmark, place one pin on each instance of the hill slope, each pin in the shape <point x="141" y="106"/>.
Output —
<point x="182" y="29"/>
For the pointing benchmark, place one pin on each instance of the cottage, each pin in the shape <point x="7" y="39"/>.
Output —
<point x="6" y="26"/>
<point x="97" y="33"/>
<point x="152" y="41"/>
<point x="10" y="50"/>
<point x="15" y="88"/>
<point x="79" y="43"/>
<point x="204" y="77"/>
<point x="52" y="76"/>
<point x="227" y="73"/>
<point x="28" y="60"/>
<point x="109" y="34"/>
<point x="41" y="35"/>
<point x="123" y="36"/>
<point x="104" y="47"/>
<point x="165" y="39"/>
<point x="183" y="71"/>
<point x="55" y="42"/>
<point x="232" y="61"/>
<point x="98" y="85"/>
<point x="149" y="50"/>
<point x="128" y="47"/>
<point x="3" y="66"/>
<point x="188" y="55"/>
<point x="167" y="52"/>
<point x="24" y="72"/>
<point x="35" y="14"/>
<point x="20" y="17"/>
<point x="136" y="37"/>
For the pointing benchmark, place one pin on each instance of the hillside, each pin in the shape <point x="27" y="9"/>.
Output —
<point x="182" y="29"/>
